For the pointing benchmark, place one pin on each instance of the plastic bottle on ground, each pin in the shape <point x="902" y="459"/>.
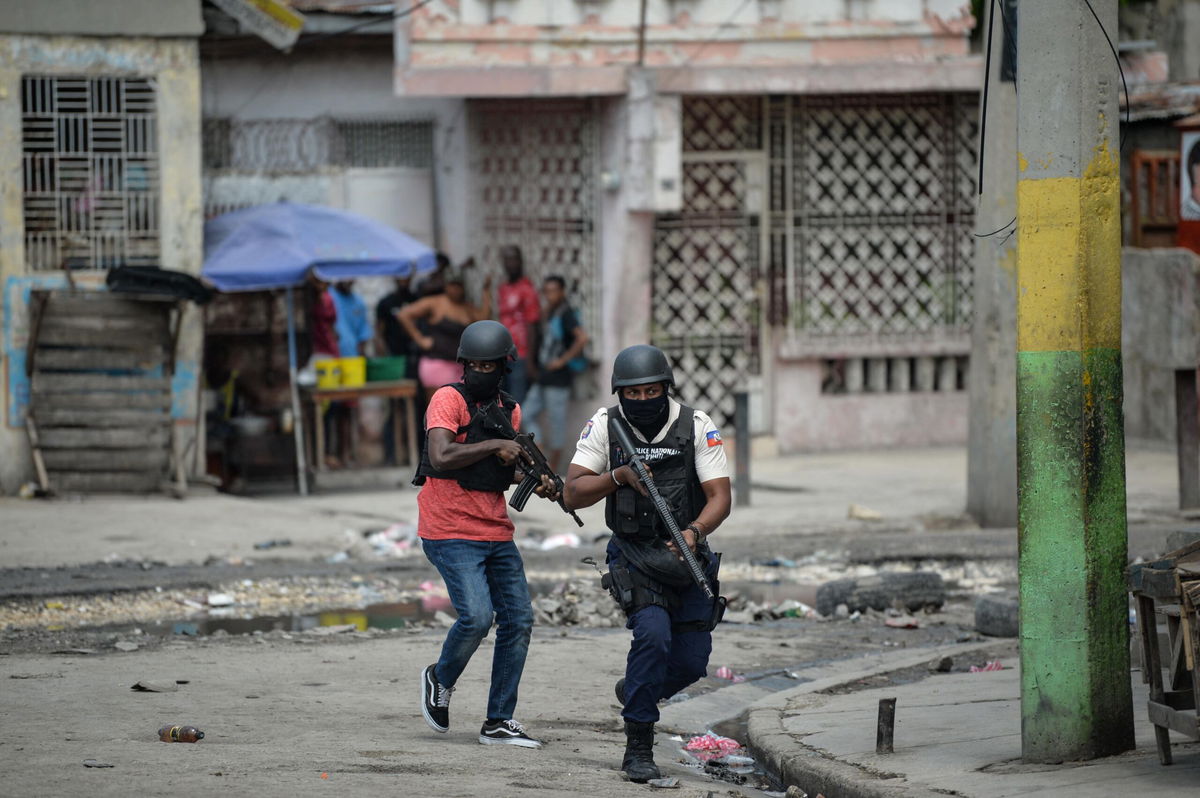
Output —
<point x="180" y="734"/>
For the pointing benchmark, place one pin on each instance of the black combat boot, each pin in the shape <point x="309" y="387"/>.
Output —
<point x="638" y="763"/>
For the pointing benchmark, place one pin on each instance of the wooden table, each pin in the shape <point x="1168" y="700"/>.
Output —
<point x="1170" y="589"/>
<point x="396" y="391"/>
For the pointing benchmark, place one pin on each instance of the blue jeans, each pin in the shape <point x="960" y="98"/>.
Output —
<point x="485" y="579"/>
<point x="554" y="400"/>
<point x="516" y="381"/>
<point x="663" y="661"/>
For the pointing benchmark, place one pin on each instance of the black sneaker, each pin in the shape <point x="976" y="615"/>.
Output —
<point x="507" y="732"/>
<point x="435" y="700"/>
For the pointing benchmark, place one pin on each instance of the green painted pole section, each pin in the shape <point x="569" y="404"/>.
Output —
<point x="1075" y="679"/>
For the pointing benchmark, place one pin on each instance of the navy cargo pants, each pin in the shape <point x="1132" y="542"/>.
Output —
<point x="663" y="661"/>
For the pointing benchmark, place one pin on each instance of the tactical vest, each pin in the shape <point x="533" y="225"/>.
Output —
<point x="673" y="460"/>
<point x="488" y="474"/>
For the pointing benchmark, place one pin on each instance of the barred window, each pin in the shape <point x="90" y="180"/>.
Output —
<point x="375" y="143"/>
<point x="90" y="172"/>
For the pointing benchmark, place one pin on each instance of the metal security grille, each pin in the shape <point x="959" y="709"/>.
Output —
<point x="90" y="172"/>
<point x="876" y="196"/>
<point x="534" y="186"/>
<point x="381" y="142"/>
<point x="294" y="146"/>
<point x="706" y="258"/>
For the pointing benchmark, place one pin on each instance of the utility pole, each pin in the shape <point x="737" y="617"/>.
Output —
<point x="1075" y="691"/>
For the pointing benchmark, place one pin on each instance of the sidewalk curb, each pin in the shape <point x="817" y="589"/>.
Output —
<point x="811" y="769"/>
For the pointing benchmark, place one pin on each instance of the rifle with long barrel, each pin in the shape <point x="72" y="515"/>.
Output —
<point x="625" y="440"/>
<point x="534" y="470"/>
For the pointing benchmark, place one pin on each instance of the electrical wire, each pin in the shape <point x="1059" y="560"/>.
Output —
<point x="704" y="45"/>
<point x="997" y="230"/>
<point x="1120" y="69"/>
<point x="359" y="26"/>
<point x="987" y="73"/>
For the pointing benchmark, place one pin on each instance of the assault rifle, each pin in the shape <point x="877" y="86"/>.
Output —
<point x="625" y="441"/>
<point x="534" y="470"/>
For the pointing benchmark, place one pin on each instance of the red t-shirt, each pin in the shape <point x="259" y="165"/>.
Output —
<point x="446" y="510"/>
<point x="324" y="317"/>
<point x="519" y="307"/>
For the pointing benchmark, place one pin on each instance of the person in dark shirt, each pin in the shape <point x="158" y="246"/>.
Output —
<point x="559" y="359"/>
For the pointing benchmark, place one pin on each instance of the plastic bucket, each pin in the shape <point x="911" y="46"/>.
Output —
<point x="329" y="373"/>
<point x="354" y="371"/>
<point x="386" y="369"/>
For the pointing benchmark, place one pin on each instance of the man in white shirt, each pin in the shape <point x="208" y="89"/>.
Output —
<point x="670" y="617"/>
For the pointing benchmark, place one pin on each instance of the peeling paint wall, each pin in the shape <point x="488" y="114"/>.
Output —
<point x="529" y="47"/>
<point x="174" y="64"/>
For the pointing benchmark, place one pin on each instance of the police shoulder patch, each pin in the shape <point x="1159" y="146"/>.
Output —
<point x="587" y="430"/>
<point x="713" y="437"/>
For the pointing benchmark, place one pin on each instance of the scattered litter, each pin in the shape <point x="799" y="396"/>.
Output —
<point x="841" y="611"/>
<point x="185" y="628"/>
<point x="326" y="631"/>
<point x="220" y="600"/>
<point x="902" y="622"/>
<point x="568" y="540"/>
<point x="78" y="651"/>
<point x="195" y="605"/>
<point x="125" y="645"/>
<point x="671" y="783"/>
<point x="856" y="615"/>
<point x="324" y="775"/>
<point x="994" y="665"/>
<point x="147" y="686"/>
<point x="944" y="665"/>
<point x="180" y="734"/>
<point x="337" y="557"/>
<point x="434" y="597"/>
<point x="793" y="609"/>
<point x="397" y="540"/>
<point x="96" y="763"/>
<point x="775" y="562"/>
<point x="277" y="543"/>
<point x="860" y="513"/>
<point x="725" y="672"/>
<point x="711" y="745"/>
<point x="55" y="605"/>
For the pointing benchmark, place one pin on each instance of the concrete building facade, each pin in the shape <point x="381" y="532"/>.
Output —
<point x="781" y="194"/>
<point x="100" y="152"/>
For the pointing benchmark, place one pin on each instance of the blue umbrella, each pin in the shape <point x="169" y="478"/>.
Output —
<point x="274" y="246"/>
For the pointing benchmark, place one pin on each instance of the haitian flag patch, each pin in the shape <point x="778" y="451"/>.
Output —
<point x="713" y="438"/>
<point x="587" y="430"/>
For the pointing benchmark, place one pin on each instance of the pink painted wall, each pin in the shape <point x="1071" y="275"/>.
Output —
<point x="573" y="47"/>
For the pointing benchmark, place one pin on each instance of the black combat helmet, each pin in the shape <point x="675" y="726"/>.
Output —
<point x="486" y="340"/>
<point x="640" y="364"/>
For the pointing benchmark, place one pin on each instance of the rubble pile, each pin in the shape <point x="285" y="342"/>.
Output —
<point x="578" y="602"/>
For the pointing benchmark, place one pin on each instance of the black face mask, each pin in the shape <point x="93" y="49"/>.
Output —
<point x="648" y="415"/>
<point x="482" y="386"/>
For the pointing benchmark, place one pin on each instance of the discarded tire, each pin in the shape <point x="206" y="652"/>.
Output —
<point x="997" y="616"/>
<point x="913" y="591"/>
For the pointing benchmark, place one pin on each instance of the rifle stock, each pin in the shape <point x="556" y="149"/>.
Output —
<point x="625" y="439"/>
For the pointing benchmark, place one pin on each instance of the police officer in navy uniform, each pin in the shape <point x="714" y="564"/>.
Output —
<point x="670" y="617"/>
